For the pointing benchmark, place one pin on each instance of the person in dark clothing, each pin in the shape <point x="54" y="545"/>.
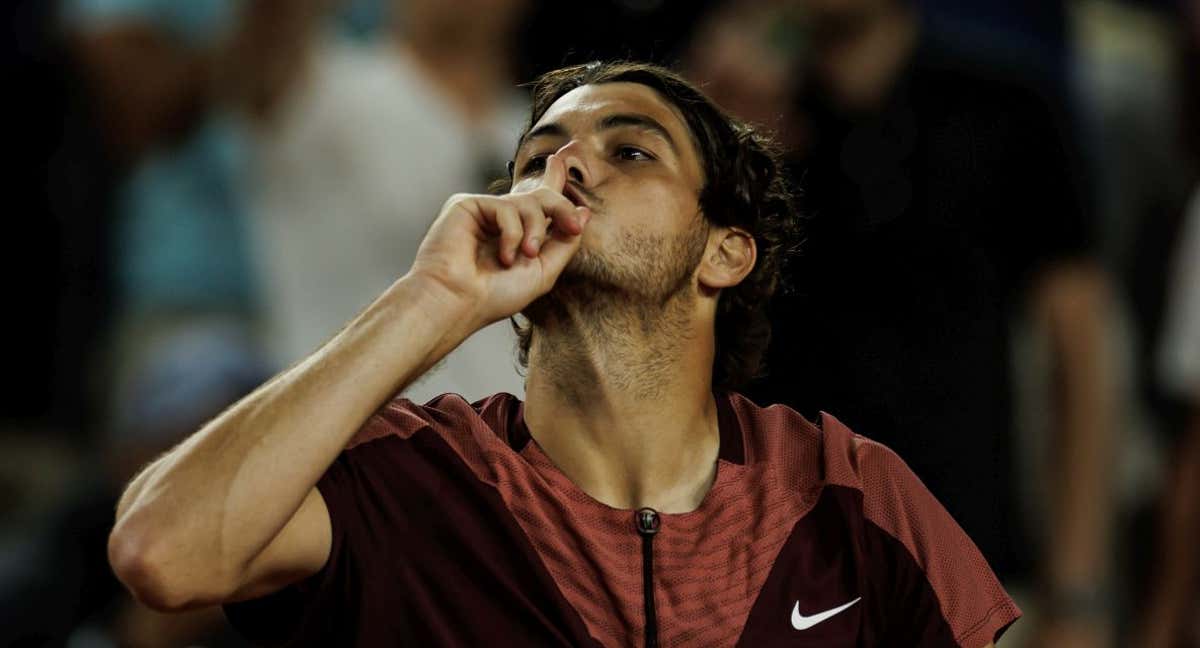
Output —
<point x="944" y="197"/>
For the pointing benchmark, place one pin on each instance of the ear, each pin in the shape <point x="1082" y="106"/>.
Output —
<point x="729" y="257"/>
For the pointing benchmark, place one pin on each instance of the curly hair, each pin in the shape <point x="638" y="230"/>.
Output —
<point x="744" y="186"/>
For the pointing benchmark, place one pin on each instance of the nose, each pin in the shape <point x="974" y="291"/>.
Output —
<point x="573" y="156"/>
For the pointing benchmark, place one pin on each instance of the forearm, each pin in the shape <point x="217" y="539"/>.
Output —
<point x="200" y="513"/>
<point x="1085" y="414"/>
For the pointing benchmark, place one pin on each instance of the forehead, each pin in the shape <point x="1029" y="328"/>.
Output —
<point x="584" y="106"/>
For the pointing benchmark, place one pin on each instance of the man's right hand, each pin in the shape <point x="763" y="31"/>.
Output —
<point x="490" y="256"/>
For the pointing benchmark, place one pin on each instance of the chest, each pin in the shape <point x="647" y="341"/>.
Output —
<point x="748" y="569"/>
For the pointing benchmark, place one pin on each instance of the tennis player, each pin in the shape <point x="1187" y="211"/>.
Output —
<point x="633" y="498"/>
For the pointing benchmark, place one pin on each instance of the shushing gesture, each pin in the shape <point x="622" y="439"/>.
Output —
<point x="493" y="255"/>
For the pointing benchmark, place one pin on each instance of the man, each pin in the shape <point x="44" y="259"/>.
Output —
<point x="625" y="501"/>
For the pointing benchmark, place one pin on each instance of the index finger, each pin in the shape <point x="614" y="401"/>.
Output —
<point x="555" y="174"/>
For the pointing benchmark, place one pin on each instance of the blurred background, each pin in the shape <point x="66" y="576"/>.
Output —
<point x="1001" y="279"/>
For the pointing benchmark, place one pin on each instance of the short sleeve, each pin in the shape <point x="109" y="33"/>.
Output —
<point x="336" y="605"/>
<point x="317" y="607"/>
<point x="930" y="554"/>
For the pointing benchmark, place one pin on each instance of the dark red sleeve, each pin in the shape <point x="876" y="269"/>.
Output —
<point x="937" y="587"/>
<point x="311" y="611"/>
<point x="322" y="609"/>
<point x="933" y="554"/>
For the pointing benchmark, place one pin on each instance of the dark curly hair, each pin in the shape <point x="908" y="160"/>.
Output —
<point x="744" y="186"/>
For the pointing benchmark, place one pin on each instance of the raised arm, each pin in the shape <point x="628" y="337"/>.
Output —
<point x="232" y="512"/>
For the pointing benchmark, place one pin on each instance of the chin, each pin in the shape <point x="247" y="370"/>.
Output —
<point x="588" y="266"/>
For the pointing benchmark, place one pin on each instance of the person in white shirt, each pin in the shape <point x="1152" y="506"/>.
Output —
<point x="364" y="144"/>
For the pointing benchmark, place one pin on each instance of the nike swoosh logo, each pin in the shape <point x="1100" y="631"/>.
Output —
<point x="801" y="622"/>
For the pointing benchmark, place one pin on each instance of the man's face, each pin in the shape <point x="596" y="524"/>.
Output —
<point x="631" y="159"/>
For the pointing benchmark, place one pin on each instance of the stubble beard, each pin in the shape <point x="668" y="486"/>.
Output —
<point x="631" y="305"/>
<point x="643" y="272"/>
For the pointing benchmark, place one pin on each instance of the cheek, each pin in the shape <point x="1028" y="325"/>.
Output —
<point x="660" y="208"/>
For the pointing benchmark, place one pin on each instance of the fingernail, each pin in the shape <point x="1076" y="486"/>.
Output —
<point x="537" y="242"/>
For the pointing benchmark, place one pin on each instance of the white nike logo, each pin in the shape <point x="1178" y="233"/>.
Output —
<point x="801" y="622"/>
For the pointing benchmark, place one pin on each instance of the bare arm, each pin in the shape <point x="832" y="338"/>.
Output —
<point x="201" y="513"/>
<point x="232" y="512"/>
<point x="1073" y="302"/>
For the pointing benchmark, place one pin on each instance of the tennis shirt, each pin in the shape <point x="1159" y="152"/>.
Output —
<point x="451" y="527"/>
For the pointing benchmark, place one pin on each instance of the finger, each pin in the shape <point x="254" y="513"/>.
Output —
<point x="568" y="218"/>
<point x="508" y="220"/>
<point x="535" y="223"/>
<point x="562" y="245"/>
<point x="555" y="174"/>
<point x="555" y="206"/>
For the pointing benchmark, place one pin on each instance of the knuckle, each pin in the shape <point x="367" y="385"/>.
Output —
<point x="533" y="215"/>
<point x="506" y="212"/>
<point x="456" y="199"/>
<point x="525" y="202"/>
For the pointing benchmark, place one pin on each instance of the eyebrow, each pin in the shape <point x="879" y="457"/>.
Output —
<point x="619" y="120"/>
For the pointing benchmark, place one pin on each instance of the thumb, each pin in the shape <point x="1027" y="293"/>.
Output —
<point x="555" y="174"/>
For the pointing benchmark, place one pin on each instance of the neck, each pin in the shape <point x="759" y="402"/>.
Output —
<point x="622" y="402"/>
<point x="472" y="74"/>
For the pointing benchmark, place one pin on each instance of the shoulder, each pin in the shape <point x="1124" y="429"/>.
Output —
<point x="902" y="533"/>
<point x="445" y="415"/>
<point x="815" y="454"/>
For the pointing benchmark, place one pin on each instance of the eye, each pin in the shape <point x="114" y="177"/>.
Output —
<point x="534" y="163"/>
<point x="633" y="153"/>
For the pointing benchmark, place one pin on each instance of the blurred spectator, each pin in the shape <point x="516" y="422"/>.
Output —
<point x="56" y="588"/>
<point x="748" y="54"/>
<point x="158" y="71"/>
<point x="1128" y="76"/>
<point x="355" y="157"/>
<point x="1174" y="603"/>
<point x="179" y="242"/>
<point x="945" y="197"/>
<point x="167" y="160"/>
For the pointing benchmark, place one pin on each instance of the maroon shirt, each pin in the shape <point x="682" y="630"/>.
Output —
<point x="452" y="527"/>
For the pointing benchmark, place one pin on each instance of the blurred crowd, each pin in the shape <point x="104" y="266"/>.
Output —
<point x="1001" y="277"/>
